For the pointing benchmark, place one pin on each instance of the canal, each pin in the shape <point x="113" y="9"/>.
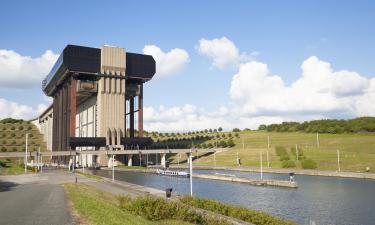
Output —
<point x="318" y="200"/>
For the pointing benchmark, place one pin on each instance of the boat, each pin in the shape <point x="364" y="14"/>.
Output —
<point x="172" y="173"/>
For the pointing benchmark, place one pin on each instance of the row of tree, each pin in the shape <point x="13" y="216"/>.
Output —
<point x="333" y="126"/>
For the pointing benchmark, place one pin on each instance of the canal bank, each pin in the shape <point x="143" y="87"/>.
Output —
<point x="223" y="177"/>
<point x="286" y="171"/>
<point x="319" y="200"/>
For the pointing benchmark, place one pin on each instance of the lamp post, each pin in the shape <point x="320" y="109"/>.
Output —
<point x="27" y="136"/>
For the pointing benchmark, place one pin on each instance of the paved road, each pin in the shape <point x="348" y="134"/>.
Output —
<point x="34" y="204"/>
<point x="34" y="199"/>
<point x="40" y="198"/>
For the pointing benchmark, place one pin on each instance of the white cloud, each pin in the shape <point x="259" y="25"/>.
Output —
<point x="18" y="71"/>
<point x="222" y="52"/>
<point x="15" y="110"/>
<point x="261" y="97"/>
<point x="319" y="91"/>
<point x="184" y="118"/>
<point x="167" y="63"/>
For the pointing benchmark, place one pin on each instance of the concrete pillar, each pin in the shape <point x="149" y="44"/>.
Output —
<point x="131" y="106"/>
<point x="163" y="161"/>
<point x="130" y="160"/>
<point x="140" y="111"/>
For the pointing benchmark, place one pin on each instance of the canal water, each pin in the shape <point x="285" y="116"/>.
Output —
<point x="317" y="200"/>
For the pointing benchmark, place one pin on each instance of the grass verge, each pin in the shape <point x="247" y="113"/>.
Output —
<point x="91" y="176"/>
<point x="96" y="207"/>
<point x="8" y="167"/>
<point x="251" y="216"/>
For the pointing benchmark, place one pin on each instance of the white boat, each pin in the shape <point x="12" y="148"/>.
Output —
<point x="172" y="173"/>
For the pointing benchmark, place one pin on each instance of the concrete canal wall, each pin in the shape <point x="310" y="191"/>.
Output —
<point x="257" y="182"/>
<point x="277" y="183"/>
<point x="287" y="171"/>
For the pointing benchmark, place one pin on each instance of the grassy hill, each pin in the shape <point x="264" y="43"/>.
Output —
<point x="357" y="150"/>
<point x="13" y="136"/>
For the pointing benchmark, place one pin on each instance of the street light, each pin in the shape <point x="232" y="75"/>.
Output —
<point x="27" y="136"/>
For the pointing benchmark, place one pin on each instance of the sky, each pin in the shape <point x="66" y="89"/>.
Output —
<point x="219" y="63"/>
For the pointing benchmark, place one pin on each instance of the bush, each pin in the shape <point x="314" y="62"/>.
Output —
<point x="251" y="216"/>
<point x="309" y="164"/>
<point x="4" y="142"/>
<point x="288" y="164"/>
<point x="12" y="135"/>
<point x="3" y="149"/>
<point x="12" y="128"/>
<point x="20" y="128"/>
<point x="156" y="209"/>
<point x="282" y="153"/>
<point x="284" y="158"/>
<point x="230" y="143"/>
<point x="300" y="153"/>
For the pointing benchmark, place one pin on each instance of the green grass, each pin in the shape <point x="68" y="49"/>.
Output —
<point x="8" y="167"/>
<point x="91" y="176"/>
<point x="96" y="207"/>
<point x="251" y="216"/>
<point x="357" y="151"/>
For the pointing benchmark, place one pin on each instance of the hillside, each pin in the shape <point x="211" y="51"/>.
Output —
<point x="13" y="136"/>
<point x="357" y="150"/>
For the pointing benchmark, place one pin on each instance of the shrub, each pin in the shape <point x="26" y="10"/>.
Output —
<point x="156" y="209"/>
<point x="251" y="216"/>
<point x="288" y="164"/>
<point x="20" y="128"/>
<point x="14" y="142"/>
<point x="12" y="135"/>
<point x="3" y="149"/>
<point x="4" y="128"/>
<point x="4" y="142"/>
<point x="222" y="144"/>
<point x="29" y="127"/>
<point x="230" y="143"/>
<point x="309" y="164"/>
<point x="280" y="151"/>
<point x="12" y="128"/>
<point x="14" y="149"/>
<point x="284" y="158"/>
<point x="300" y="153"/>
<point x="210" y="145"/>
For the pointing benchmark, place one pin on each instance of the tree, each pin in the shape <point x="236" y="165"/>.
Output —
<point x="215" y="130"/>
<point x="262" y="127"/>
<point x="220" y="129"/>
<point x="236" y="130"/>
<point x="210" y="130"/>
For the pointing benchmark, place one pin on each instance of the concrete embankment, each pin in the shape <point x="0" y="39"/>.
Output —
<point x="277" y="183"/>
<point x="257" y="182"/>
<point x="356" y="175"/>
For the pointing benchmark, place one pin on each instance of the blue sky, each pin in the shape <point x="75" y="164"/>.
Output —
<point x="279" y="34"/>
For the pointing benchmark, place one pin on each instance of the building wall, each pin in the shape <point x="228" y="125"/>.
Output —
<point x="46" y="125"/>
<point x="86" y="126"/>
